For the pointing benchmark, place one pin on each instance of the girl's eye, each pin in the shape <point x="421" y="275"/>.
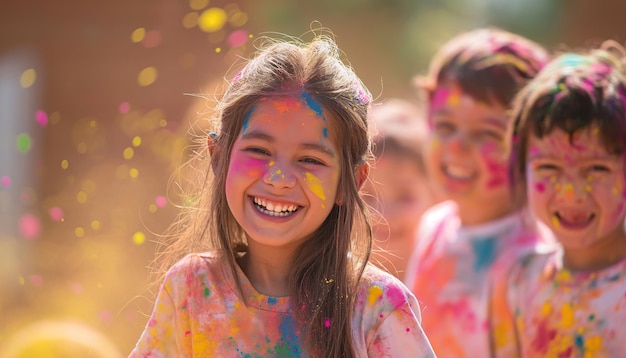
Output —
<point x="310" y="160"/>
<point x="257" y="150"/>
<point x="546" y="167"/>
<point x="488" y="134"/>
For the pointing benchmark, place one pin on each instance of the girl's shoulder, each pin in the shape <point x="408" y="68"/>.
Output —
<point x="377" y="285"/>
<point x="208" y="265"/>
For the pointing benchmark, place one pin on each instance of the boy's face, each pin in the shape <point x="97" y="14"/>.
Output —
<point x="577" y="188"/>
<point x="467" y="155"/>
<point x="399" y="189"/>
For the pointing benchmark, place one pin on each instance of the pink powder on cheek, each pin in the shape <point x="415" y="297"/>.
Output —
<point x="496" y="166"/>
<point x="248" y="167"/>
<point x="541" y="187"/>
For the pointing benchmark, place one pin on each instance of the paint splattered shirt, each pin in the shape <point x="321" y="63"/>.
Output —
<point x="559" y="313"/>
<point x="452" y="270"/>
<point x="199" y="313"/>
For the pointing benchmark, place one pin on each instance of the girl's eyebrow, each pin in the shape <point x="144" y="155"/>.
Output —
<point x="256" y="134"/>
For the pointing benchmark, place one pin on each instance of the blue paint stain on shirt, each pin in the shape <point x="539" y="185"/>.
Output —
<point x="289" y="345"/>
<point x="484" y="252"/>
<point x="272" y="301"/>
<point x="313" y="104"/>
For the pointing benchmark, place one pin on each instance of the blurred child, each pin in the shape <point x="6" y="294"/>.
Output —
<point x="284" y="232"/>
<point x="570" y="150"/>
<point x="466" y="242"/>
<point x="398" y="189"/>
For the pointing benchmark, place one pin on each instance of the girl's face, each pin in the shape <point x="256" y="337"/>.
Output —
<point x="284" y="171"/>
<point x="576" y="188"/>
<point x="466" y="154"/>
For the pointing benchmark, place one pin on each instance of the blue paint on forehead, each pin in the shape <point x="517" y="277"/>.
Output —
<point x="313" y="104"/>
<point x="246" y="120"/>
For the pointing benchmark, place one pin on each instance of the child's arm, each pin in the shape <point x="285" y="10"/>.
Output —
<point x="401" y="335"/>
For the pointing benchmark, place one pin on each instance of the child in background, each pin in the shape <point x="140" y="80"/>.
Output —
<point x="465" y="243"/>
<point x="570" y="150"/>
<point x="283" y="235"/>
<point x="398" y="187"/>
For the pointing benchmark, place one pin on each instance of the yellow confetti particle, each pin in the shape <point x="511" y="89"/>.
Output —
<point x="147" y="76"/>
<point x="134" y="173"/>
<point x="28" y="78"/>
<point x="218" y="50"/>
<point x="79" y="232"/>
<point x="212" y="20"/>
<point x="93" y="124"/>
<point x="138" y="35"/>
<point x="136" y="141"/>
<point x="129" y="153"/>
<point x="21" y="280"/>
<point x="163" y="123"/>
<point x="81" y="197"/>
<point x="95" y="224"/>
<point x="139" y="238"/>
<point x="190" y="20"/>
<point x="65" y="164"/>
<point x="152" y="208"/>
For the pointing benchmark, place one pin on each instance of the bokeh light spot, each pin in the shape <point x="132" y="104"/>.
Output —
<point x="56" y="213"/>
<point x="134" y="173"/>
<point x="93" y="124"/>
<point x="163" y="123"/>
<point x="35" y="280"/>
<point x="152" y="39"/>
<point x="128" y="153"/>
<point x="124" y="107"/>
<point x="79" y="231"/>
<point x="198" y="4"/>
<point x="23" y="142"/>
<point x="81" y="197"/>
<point x="21" y="280"/>
<point x="147" y="76"/>
<point x="81" y="148"/>
<point x="218" y="50"/>
<point x="139" y="238"/>
<point x="212" y="19"/>
<point x="95" y="224"/>
<point x="55" y="117"/>
<point x="65" y="164"/>
<point x="152" y="208"/>
<point x="28" y="78"/>
<point x="29" y="226"/>
<point x="41" y="117"/>
<point x="238" y="19"/>
<point x="138" y="35"/>
<point x="160" y="201"/>
<point x="136" y="141"/>
<point x="6" y="181"/>
<point x="238" y="38"/>
<point x="190" y="20"/>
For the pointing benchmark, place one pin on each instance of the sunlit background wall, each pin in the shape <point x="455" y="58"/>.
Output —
<point x="95" y="117"/>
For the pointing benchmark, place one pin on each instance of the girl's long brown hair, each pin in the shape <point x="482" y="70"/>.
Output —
<point x="327" y="267"/>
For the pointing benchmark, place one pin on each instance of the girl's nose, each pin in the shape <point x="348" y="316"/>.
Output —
<point x="458" y="143"/>
<point x="573" y="193"/>
<point x="279" y="176"/>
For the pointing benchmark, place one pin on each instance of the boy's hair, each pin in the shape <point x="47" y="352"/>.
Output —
<point x="398" y="126"/>
<point x="490" y="65"/>
<point x="572" y="93"/>
<point x="329" y="265"/>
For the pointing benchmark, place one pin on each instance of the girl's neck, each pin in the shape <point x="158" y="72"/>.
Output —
<point x="476" y="214"/>
<point x="268" y="271"/>
<point x="598" y="256"/>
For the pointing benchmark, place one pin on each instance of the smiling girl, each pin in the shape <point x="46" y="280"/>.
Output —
<point x="279" y="238"/>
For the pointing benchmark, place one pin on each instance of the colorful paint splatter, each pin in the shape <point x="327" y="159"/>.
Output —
<point x="199" y="313"/>
<point x="452" y="270"/>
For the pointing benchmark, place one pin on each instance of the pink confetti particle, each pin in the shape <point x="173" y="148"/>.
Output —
<point x="6" y="181"/>
<point x="238" y="38"/>
<point x="152" y="39"/>
<point x="327" y="323"/>
<point x="160" y="201"/>
<point x="36" y="280"/>
<point x="41" y="117"/>
<point x="124" y="107"/>
<point x="408" y="329"/>
<point x="56" y="213"/>
<point x="29" y="226"/>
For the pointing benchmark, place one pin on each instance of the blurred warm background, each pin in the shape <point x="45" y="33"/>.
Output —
<point x="94" y="119"/>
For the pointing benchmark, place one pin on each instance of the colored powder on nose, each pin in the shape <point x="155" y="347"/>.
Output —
<point x="568" y="191"/>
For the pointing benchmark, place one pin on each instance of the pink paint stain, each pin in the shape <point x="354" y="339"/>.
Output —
<point x="543" y="337"/>
<point x="327" y="323"/>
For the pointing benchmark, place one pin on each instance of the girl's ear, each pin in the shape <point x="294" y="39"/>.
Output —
<point x="361" y="172"/>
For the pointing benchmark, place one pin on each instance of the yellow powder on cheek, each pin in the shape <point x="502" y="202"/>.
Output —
<point x="315" y="185"/>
